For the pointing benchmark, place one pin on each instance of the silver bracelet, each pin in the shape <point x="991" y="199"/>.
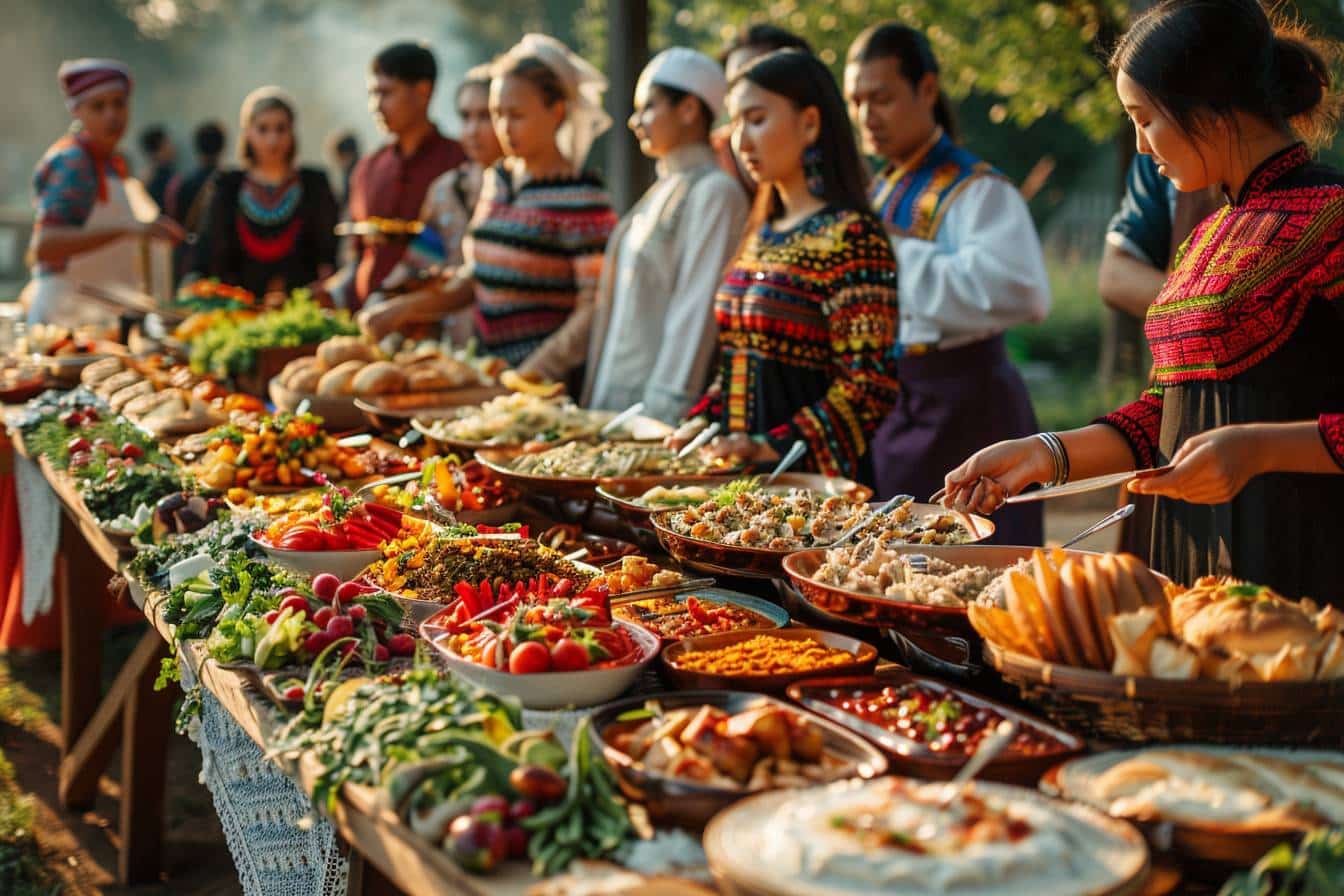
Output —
<point x="1058" y="455"/>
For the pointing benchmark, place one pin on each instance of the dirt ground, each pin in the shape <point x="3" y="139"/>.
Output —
<point x="78" y="849"/>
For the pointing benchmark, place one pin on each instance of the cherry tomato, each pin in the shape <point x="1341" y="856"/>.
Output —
<point x="568" y="655"/>
<point x="529" y="658"/>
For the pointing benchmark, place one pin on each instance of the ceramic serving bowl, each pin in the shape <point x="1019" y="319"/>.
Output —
<point x="343" y="564"/>
<point x="688" y="804"/>
<point x="864" y="660"/>
<point x="549" y="690"/>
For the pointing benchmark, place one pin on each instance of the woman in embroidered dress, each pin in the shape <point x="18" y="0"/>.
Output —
<point x="533" y="250"/>
<point x="807" y="312"/>
<point x="1247" y="398"/>
<point x="271" y="225"/>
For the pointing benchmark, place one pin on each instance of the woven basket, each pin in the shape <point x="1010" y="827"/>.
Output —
<point x="1110" y="707"/>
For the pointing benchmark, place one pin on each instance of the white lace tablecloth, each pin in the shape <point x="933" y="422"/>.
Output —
<point x="277" y="846"/>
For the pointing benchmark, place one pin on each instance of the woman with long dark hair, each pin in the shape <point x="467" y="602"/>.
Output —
<point x="271" y="225"/>
<point x="1247" y="399"/>
<point x="807" y="312"/>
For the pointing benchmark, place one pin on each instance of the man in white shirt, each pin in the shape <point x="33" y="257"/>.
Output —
<point x="970" y="267"/>
<point x="653" y="336"/>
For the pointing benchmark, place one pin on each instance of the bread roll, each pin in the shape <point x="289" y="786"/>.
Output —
<point x="339" y="349"/>
<point x="297" y="366"/>
<point x="379" y="378"/>
<point x="305" y="380"/>
<point x="339" y="380"/>
<point x="1249" y="622"/>
<point x="118" y="381"/>
<point x="100" y="370"/>
<point x="122" y="397"/>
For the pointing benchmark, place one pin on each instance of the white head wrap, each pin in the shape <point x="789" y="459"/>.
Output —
<point x="269" y="92"/>
<point x="585" y="119"/>
<point x="83" y="79"/>
<point x="684" y="69"/>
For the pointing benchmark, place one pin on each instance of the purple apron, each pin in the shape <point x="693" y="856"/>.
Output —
<point x="952" y="404"/>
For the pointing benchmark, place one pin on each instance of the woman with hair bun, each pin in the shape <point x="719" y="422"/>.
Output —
<point x="1247" y="399"/>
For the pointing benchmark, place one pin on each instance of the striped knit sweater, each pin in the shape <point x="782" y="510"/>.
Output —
<point x="536" y="250"/>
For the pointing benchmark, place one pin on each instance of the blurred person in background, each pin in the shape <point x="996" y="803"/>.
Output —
<point x="271" y="224"/>
<point x="970" y="267"/>
<point x="189" y="194"/>
<point x="91" y="214"/>
<point x="748" y="45"/>
<point x="452" y="200"/>
<point x="343" y="149"/>
<point x="533" y="251"/>
<point x="160" y="161"/>
<point x="392" y="181"/>
<point x="91" y="219"/>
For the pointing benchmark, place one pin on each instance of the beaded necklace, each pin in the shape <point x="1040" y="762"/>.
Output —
<point x="270" y="206"/>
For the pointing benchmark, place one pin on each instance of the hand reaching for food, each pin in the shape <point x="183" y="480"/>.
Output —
<point x="741" y="447"/>
<point x="988" y="477"/>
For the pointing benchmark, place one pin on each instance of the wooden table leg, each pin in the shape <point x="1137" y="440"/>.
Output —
<point x="81" y="580"/>
<point x="146" y="728"/>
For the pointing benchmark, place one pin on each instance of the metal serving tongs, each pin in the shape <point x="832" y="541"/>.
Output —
<point x="868" y="518"/>
<point x="796" y="451"/>
<point x="1107" y="521"/>
<point x="620" y="419"/>
<point x="701" y="439"/>
<point x="984" y="754"/>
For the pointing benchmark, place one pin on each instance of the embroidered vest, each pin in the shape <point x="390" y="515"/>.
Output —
<point x="913" y="198"/>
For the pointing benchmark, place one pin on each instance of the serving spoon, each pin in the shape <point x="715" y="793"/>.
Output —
<point x="871" y="515"/>
<point x="796" y="451"/>
<point x="984" y="754"/>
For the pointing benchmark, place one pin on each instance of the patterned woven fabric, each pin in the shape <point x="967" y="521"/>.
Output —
<point x="1241" y="285"/>
<point x="807" y="317"/>
<point x="912" y="198"/>
<point x="536" y="249"/>
<point x="265" y="816"/>
<point x="1332" y="433"/>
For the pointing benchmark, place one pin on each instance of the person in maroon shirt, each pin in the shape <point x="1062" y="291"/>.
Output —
<point x="392" y="182"/>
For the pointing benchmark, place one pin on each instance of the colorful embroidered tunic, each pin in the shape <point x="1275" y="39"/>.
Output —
<point x="263" y="237"/>
<point x="807" y="318"/>
<point x="67" y="182"/>
<point x="1248" y="329"/>
<point x="534" y="250"/>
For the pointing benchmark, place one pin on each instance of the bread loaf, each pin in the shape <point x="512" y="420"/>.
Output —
<point x="379" y="378"/>
<point x="339" y="380"/>
<point x="339" y="349"/>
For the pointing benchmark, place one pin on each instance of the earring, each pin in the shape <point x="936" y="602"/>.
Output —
<point x="816" y="183"/>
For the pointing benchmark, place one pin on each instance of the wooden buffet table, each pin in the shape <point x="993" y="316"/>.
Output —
<point x="385" y="855"/>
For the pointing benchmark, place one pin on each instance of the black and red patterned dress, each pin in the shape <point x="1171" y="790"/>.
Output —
<point x="807" y="317"/>
<point x="1250" y="329"/>
<point x="269" y="237"/>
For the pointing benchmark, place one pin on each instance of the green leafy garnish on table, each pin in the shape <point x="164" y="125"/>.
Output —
<point x="725" y="495"/>
<point x="229" y="349"/>
<point x="1315" y="868"/>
